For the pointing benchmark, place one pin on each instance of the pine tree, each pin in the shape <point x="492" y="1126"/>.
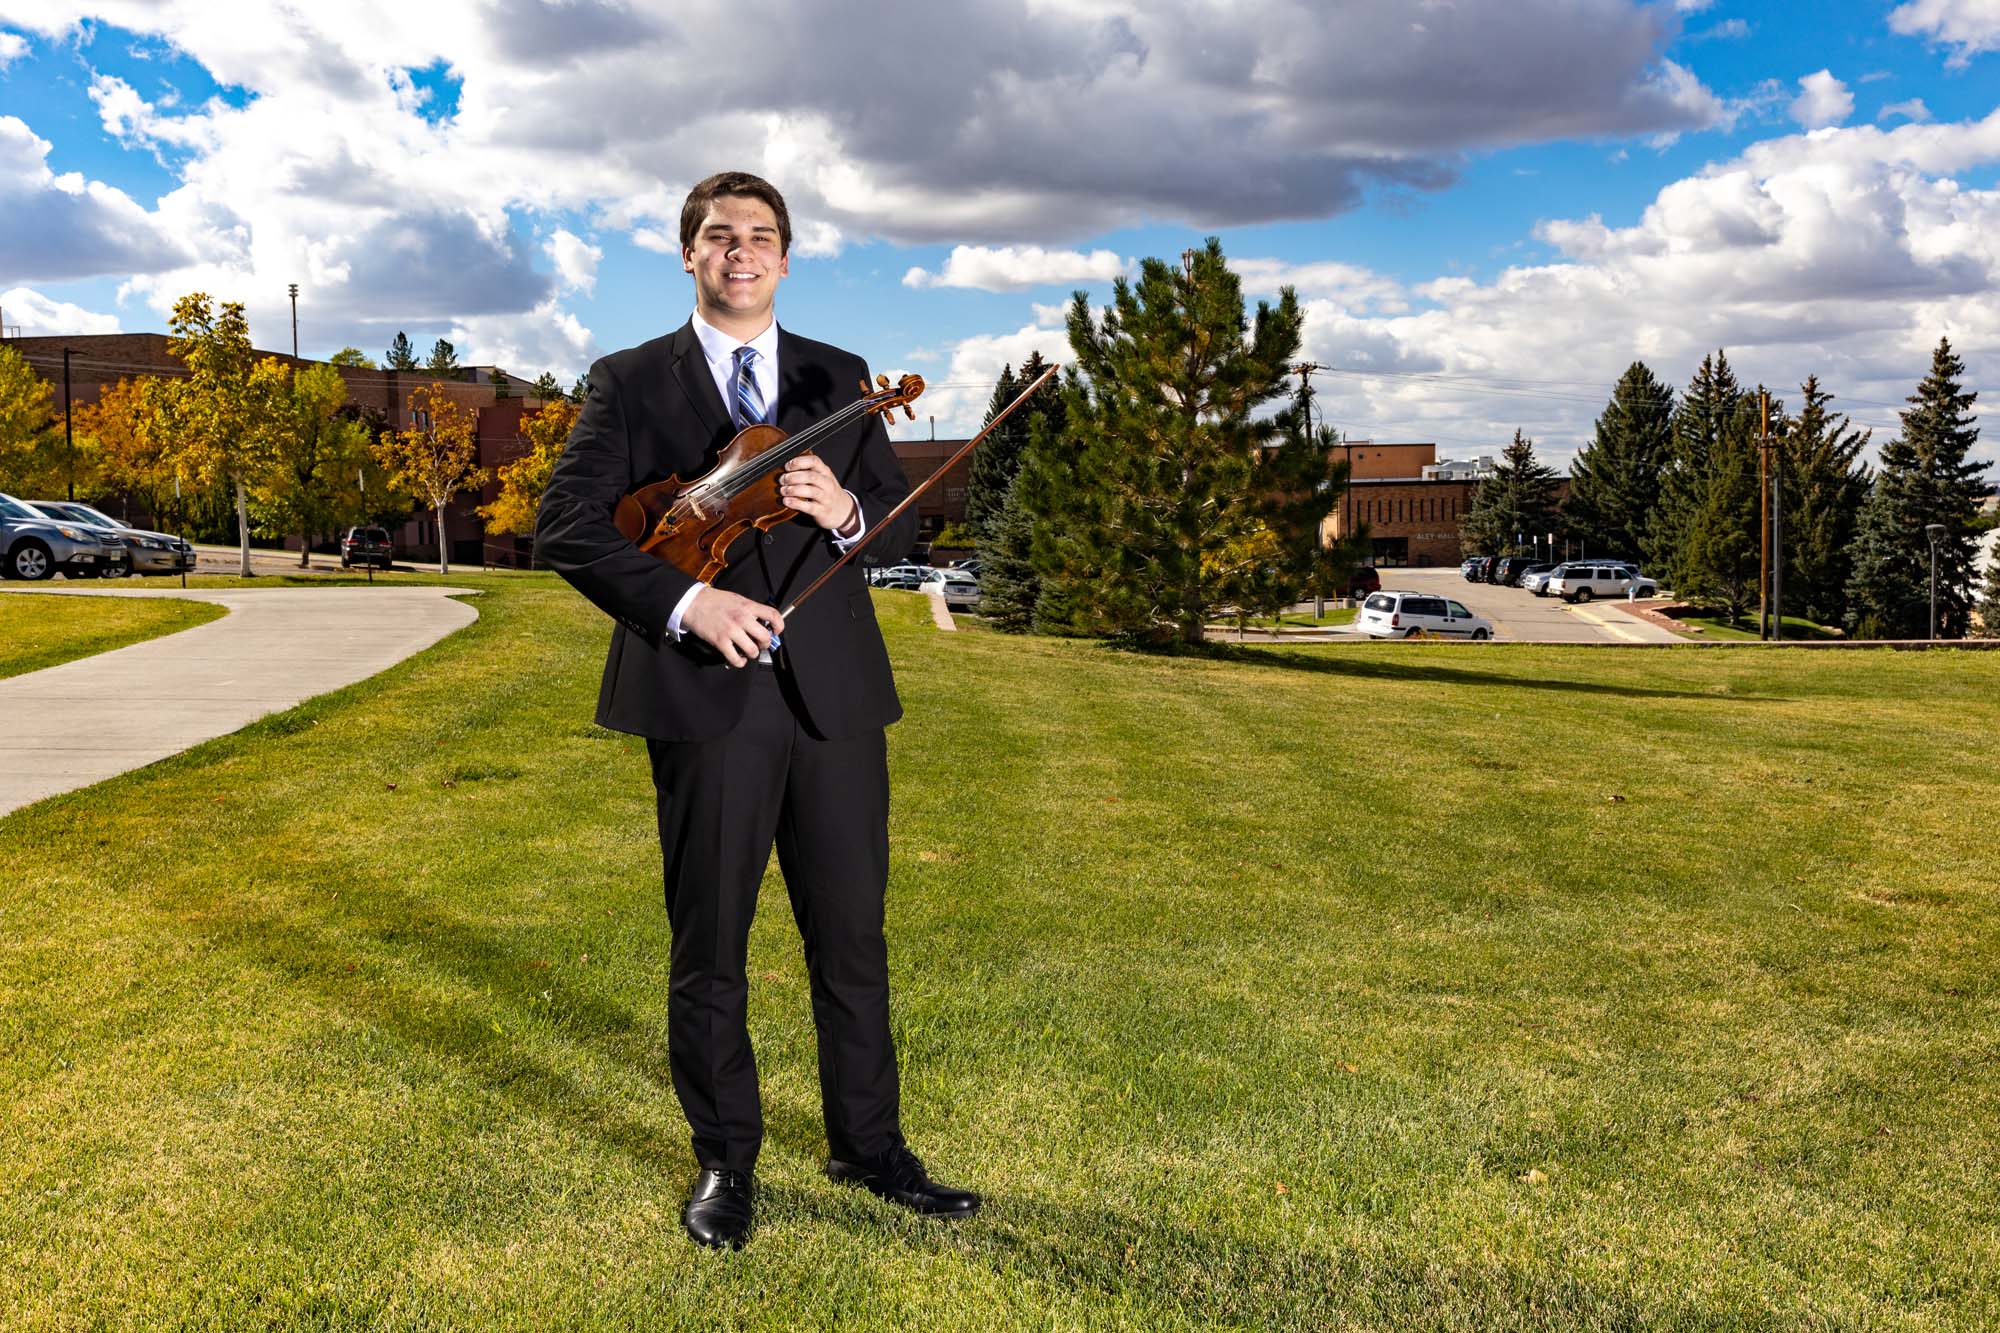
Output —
<point x="401" y="356"/>
<point x="1518" y="499"/>
<point x="998" y="457"/>
<point x="1615" y="481"/>
<point x="1925" y="479"/>
<point x="1822" y="482"/>
<point x="1721" y="549"/>
<point x="1173" y="462"/>
<point x="443" y="360"/>
<point x="546" y="388"/>
<point x="1702" y="416"/>
<point x="1008" y="586"/>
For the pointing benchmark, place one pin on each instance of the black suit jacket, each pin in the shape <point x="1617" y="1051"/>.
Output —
<point x="653" y="412"/>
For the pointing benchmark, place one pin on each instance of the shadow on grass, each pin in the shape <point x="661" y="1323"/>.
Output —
<point x="1381" y="667"/>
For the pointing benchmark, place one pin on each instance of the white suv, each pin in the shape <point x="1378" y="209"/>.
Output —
<point x="1405" y="615"/>
<point x="1581" y="582"/>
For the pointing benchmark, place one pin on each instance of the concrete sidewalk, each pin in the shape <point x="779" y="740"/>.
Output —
<point x="84" y="721"/>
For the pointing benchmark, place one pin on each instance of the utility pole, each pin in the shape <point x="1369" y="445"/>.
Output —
<point x="1763" y="514"/>
<point x="1304" y="370"/>
<point x="69" y="431"/>
<point x="1777" y="542"/>
<point x="294" y="289"/>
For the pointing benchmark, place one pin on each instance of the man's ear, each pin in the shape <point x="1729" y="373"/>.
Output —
<point x="784" y="266"/>
<point x="687" y="260"/>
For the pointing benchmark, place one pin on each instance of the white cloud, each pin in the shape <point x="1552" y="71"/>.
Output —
<point x="39" y="316"/>
<point x="1346" y="285"/>
<point x="545" y="338"/>
<point x="1010" y="268"/>
<point x="959" y="397"/>
<point x="1969" y="27"/>
<point x="1823" y="100"/>
<point x="1692" y="6"/>
<point x="54" y="227"/>
<point x="658" y="240"/>
<point x="575" y="260"/>
<point x="1913" y="110"/>
<point x="12" y="47"/>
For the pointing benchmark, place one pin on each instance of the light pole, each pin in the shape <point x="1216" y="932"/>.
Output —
<point x="294" y="289"/>
<point x="1934" y="531"/>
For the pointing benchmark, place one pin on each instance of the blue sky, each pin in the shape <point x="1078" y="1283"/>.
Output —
<point x="1489" y="208"/>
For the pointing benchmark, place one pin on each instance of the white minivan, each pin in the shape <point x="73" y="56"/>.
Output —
<point x="1405" y="615"/>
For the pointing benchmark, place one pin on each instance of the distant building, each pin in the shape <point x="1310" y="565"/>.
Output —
<point x="1413" y="505"/>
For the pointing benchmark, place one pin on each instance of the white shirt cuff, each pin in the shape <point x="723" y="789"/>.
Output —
<point x="680" y="609"/>
<point x="843" y="543"/>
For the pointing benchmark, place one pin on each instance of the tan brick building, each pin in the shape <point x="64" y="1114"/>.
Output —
<point x="1413" y="516"/>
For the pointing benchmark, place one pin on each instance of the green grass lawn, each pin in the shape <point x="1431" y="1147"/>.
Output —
<point x="47" y="629"/>
<point x="1295" y="987"/>
<point x="1718" y="627"/>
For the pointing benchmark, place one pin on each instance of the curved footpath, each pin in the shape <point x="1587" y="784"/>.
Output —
<point x="71" y="725"/>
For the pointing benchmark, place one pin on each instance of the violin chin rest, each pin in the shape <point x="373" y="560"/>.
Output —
<point x="630" y="518"/>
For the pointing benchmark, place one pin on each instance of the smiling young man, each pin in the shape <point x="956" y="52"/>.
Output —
<point x="760" y="730"/>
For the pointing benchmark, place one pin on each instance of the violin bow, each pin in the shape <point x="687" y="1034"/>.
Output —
<point x="917" y="491"/>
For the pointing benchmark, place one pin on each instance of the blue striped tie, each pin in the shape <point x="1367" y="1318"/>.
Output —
<point x="749" y="402"/>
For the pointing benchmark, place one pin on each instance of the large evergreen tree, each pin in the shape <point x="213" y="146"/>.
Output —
<point x="1173" y="460"/>
<point x="1721" y="544"/>
<point x="1515" y="502"/>
<point x="998" y="457"/>
<point x="1925" y="479"/>
<point x="401" y="356"/>
<point x="1705" y="412"/>
<point x="1822" y="482"/>
<point x="1615" y="482"/>
<point x="1008" y="585"/>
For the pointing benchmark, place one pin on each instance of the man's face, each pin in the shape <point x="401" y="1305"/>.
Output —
<point x="736" y="259"/>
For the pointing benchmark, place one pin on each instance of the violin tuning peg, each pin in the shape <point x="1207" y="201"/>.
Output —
<point x="909" y="412"/>
<point x="882" y="380"/>
<point x="866" y="387"/>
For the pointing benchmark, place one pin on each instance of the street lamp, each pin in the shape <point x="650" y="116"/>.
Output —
<point x="1934" y="531"/>
<point x="293" y="289"/>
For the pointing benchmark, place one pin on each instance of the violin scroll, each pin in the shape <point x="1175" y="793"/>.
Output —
<point x="901" y="394"/>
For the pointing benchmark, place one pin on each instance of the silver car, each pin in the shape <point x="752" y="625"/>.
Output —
<point x="34" y="546"/>
<point x="152" y="552"/>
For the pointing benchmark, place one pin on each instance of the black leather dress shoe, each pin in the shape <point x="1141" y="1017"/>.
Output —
<point x="718" y="1215"/>
<point x="899" y="1177"/>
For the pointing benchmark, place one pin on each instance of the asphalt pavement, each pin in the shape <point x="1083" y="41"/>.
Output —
<point x="79" y="723"/>
<point x="1522" y="617"/>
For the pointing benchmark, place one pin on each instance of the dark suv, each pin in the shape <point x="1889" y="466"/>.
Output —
<point x="1507" y="572"/>
<point x="366" y="546"/>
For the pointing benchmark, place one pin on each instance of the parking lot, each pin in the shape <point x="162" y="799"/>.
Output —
<point x="1522" y="617"/>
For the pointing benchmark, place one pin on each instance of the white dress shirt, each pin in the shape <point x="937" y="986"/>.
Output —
<point x="719" y="349"/>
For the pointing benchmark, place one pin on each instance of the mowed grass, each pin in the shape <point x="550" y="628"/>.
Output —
<point x="40" y="630"/>
<point x="1371" y="986"/>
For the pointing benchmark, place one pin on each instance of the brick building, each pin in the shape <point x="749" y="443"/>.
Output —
<point x="1412" y="505"/>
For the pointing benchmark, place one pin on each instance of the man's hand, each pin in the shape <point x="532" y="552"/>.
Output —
<point x="734" y="626"/>
<point x="808" y="485"/>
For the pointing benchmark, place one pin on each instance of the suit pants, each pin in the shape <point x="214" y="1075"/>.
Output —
<point x="722" y="804"/>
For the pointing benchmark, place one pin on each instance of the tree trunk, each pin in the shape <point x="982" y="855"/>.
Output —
<point x="305" y="549"/>
<point x="242" y="530"/>
<point x="444" y="566"/>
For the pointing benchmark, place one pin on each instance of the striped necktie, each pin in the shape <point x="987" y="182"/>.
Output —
<point x="749" y="402"/>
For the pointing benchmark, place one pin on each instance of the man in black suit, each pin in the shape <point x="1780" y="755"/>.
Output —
<point x="759" y="729"/>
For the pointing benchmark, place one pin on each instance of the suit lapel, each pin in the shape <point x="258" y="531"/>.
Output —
<point x="801" y="386"/>
<point x="691" y="373"/>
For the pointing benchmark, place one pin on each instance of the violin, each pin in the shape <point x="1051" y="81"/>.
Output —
<point x="691" y="524"/>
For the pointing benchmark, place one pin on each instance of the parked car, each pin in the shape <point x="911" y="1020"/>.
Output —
<point x="959" y="593"/>
<point x="1579" y="582"/>
<point x="1364" y="580"/>
<point x="150" y="552"/>
<point x="34" y="546"/>
<point x="1536" y="581"/>
<point x="1474" y="569"/>
<point x="904" y="576"/>
<point x="367" y="546"/>
<point x="1403" y="615"/>
<point x="1507" y="570"/>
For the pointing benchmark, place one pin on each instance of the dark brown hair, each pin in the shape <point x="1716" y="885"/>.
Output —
<point x="703" y="196"/>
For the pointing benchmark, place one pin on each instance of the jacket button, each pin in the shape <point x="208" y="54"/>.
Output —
<point x="767" y="539"/>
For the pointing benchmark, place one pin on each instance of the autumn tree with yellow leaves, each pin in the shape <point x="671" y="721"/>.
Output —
<point x="437" y="457"/>
<point x="311" y="451"/>
<point x="211" y="422"/>
<point x="523" y="480"/>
